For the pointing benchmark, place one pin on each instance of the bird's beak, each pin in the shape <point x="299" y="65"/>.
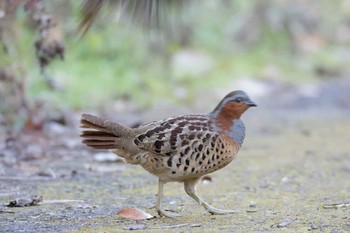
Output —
<point x="250" y="103"/>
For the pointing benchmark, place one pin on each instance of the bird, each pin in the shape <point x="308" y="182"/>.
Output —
<point x="177" y="149"/>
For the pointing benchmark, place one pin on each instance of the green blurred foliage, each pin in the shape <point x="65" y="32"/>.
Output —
<point x="275" y="40"/>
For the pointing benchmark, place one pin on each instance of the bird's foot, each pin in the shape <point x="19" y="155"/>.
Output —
<point x="165" y="213"/>
<point x="168" y="214"/>
<point x="213" y="210"/>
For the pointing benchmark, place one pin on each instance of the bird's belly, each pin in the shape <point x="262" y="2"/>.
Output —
<point x="180" y="167"/>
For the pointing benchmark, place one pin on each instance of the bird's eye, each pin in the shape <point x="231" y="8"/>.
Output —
<point x="238" y="100"/>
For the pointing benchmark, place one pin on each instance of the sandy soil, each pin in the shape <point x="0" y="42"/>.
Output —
<point x="292" y="174"/>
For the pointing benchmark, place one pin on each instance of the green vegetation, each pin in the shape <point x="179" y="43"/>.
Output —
<point x="119" y="60"/>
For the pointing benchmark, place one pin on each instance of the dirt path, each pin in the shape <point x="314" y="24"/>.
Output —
<point x="292" y="173"/>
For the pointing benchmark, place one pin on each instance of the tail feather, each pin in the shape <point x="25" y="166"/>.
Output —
<point x="88" y="125"/>
<point x="93" y="122"/>
<point x="100" y="133"/>
<point x="103" y="147"/>
<point x="100" y="144"/>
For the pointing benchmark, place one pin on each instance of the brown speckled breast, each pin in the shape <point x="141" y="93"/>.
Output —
<point x="185" y="147"/>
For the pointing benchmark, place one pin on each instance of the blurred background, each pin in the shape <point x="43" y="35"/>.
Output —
<point x="135" y="61"/>
<point x="188" y="51"/>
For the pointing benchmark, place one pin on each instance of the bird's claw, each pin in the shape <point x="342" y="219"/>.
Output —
<point x="167" y="213"/>
<point x="213" y="210"/>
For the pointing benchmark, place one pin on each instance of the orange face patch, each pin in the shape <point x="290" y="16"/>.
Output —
<point x="233" y="110"/>
<point x="230" y="111"/>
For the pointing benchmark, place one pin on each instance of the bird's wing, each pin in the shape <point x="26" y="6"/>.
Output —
<point x="178" y="134"/>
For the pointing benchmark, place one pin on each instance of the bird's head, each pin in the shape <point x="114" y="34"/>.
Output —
<point x="233" y="105"/>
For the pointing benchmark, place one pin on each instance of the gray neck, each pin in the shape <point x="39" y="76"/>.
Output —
<point x="237" y="133"/>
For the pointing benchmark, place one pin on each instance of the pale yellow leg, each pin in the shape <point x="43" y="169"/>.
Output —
<point x="190" y="188"/>
<point x="159" y="209"/>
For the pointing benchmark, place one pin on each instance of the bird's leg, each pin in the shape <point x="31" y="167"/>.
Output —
<point x="159" y="209"/>
<point x="190" y="188"/>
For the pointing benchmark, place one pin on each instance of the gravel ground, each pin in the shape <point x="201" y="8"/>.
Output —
<point x="292" y="174"/>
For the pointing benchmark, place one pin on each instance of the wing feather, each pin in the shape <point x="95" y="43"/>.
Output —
<point x="174" y="135"/>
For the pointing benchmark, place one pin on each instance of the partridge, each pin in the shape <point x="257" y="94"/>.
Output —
<point x="181" y="148"/>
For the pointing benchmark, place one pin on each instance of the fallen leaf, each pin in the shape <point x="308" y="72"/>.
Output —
<point x="137" y="226"/>
<point x="196" y="225"/>
<point x="6" y="212"/>
<point x="136" y="214"/>
<point x="26" y="201"/>
<point x="286" y="222"/>
<point x="336" y="206"/>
